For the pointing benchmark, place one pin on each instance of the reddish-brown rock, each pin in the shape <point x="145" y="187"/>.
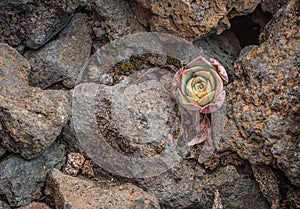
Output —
<point x="190" y="19"/>
<point x="71" y="192"/>
<point x="262" y="123"/>
<point x="35" y="205"/>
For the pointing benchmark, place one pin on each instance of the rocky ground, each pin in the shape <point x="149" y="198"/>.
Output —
<point x="56" y="59"/>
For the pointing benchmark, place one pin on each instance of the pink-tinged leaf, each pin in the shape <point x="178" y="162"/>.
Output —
<point x="203" y="129"/>
<point x="176" y="81"/>
<point x="212" y="107"/>
<point x="200" y="62"/>
<point x="221" y="70"/>
<point x="218" y="82"/>
<point x="171" y="68"/>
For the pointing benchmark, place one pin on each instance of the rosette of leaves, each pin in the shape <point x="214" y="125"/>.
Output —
<point x="199" y="89"/>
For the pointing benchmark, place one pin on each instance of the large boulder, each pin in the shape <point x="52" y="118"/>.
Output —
<point x="30" y="118"/>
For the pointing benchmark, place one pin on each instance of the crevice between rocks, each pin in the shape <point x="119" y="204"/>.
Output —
<point x="247" y="28"/>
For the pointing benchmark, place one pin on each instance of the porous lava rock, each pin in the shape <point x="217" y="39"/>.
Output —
<point x="190" y="19"/>
<point x="262" y="123"/>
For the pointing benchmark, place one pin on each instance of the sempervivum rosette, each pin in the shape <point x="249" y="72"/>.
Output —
<point x="199" y="85"/>
<point x="199" y="89"/>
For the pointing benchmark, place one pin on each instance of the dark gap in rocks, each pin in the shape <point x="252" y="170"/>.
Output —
<point x="247" y="28"/>
<point x="48" y="200"/>
<point x="284" y="185"/>
<point x="3" y="199"/>
<point x="5" y="155"/>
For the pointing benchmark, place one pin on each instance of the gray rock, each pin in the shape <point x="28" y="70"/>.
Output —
<point x="62" y="58"/>
<point x="33" y="24"/>
<point x="138" y="121"/>
<point x="3" y="205"/>
<point x="71" y="192"/>
<point x="119" y="19"/>
<point x="189" y="185"/>
<point x="31" y="118"/>
<point x="2" y="150"/>
<point x="263" y="104"/>
<point x="21" y="181"/>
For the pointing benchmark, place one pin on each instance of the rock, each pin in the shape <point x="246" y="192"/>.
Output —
<point x="262" y="123"/>
<point x="35" y="205"/>
<point x="3" y="205"/>
<point x="217" y="201"/>
<point x="119" y="19"/>
<point x="2" y="150"/>
<point x="75" y="162"/>
<point x="189" y="185"/>
<point x="272" y="6"/>
<point x="71" y="192"/>
<point x="21" y="181"/>
<point x="293" y="197"/>
<point x="62" y="58"/>
<point x="153" y="127"/>
<point x="190" y="19"/>
<point x="24" y="22"/>
<point x="31" y="119"/>
<point x="268" y="184"/>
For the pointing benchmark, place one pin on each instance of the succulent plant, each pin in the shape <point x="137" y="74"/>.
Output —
<point x="199" y="89"/>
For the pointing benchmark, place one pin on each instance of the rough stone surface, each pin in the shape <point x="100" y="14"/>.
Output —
<point x="21" y="181"/>
<point x="33" y="23"/>
<point x="71" y="192"/>
<point x="190" y="19"/>
<point x="217" y="201"/>
<point x="293" y="197"/>
<point x="2" y="151"/>
<point x="119" y="19"/>
<point x="262" y="124"/>
<point x="189" y="185"/>
<point x="3" y="205"/>
<point x="148" y="112"/>
<point x="75" y="162"/>
<point x="62" y="58"/>
<point x="35" y="205"/>
<point x="268" y="184"/>
<point x="272" y="5"/>
<point x="30" y="119"/>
